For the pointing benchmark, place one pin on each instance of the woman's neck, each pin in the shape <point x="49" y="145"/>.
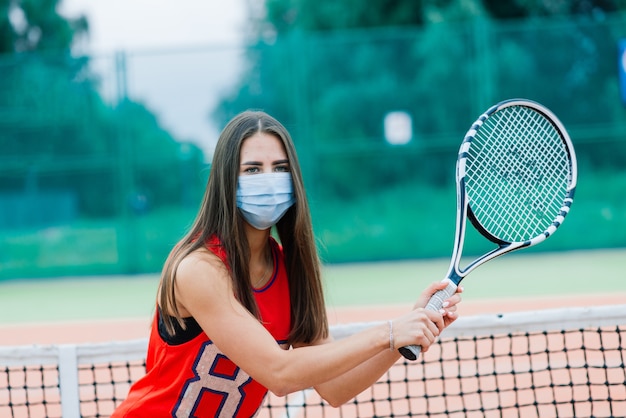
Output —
<point x="259" y="244"/>
<point x="261" y="263"/>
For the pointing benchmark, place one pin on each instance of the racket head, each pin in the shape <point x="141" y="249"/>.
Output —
<point x="517" y="168"/>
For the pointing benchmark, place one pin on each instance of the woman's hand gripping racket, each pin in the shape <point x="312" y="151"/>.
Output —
<point x="516" y="177"/>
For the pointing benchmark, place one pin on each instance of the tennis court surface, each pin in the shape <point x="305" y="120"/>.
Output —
<point x="518" y="356"/>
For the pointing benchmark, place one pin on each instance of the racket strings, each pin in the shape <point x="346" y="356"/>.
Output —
<point x="517" y="174"/>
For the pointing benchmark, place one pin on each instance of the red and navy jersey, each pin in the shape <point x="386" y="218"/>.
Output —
<point x="194" y="378"/>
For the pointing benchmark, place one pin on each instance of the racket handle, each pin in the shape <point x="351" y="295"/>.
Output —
<point x="439" y="297"/>
<point x="412" y="352"/>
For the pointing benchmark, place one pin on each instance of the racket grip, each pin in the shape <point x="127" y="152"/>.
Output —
<point x="412" y="352"/>
<point x="439" y="297"/>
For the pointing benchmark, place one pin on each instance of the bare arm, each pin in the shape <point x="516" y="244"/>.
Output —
<point x="204" y="291"/>
<point x="342" y="389"/>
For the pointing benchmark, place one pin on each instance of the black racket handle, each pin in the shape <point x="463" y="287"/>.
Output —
<point x="412" y="352"/>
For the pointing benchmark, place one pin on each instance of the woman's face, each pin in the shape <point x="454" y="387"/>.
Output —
<point x="263" y="153"/>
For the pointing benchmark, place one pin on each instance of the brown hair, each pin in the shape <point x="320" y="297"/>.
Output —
<point x="218" y="216"/>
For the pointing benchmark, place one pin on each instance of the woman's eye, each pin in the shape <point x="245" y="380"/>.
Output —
<point x="282" y="169"/>
<point x="251" y="170"/>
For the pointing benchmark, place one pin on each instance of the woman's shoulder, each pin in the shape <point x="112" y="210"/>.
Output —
<point x="200" y="263"/>
<point x="201" y="280"/>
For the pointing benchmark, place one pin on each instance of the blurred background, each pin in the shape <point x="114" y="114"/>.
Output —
<point x="106" y="142"/>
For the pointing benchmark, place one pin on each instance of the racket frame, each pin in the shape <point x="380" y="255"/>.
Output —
<point x="455" y="273"/>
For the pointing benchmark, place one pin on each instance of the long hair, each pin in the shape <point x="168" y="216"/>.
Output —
<point x="219" y="217"/>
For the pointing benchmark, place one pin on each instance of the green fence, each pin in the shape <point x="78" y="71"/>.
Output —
<point x="93" y="181"/>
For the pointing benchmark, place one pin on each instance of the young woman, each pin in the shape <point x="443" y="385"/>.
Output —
<point x="239" y="314"/>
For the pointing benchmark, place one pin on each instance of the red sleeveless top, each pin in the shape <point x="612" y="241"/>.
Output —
<point x="195" y="379"/>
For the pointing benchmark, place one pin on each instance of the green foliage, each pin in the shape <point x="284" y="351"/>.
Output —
<point x="324" y="15"/>
<point x="286" y="16"/>
<point x="333" y="88"/>
<point x="516" y="9"/>
<point x="129" y="189"/>
<point x="158" y="165"/>
<point x="78" y="175"/>
<point x="51" y="113"/>
<point x="40" y="94"/>
<point x="35" y="25"/>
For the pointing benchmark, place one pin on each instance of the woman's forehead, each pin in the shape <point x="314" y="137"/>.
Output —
<point x="262" y="145"/>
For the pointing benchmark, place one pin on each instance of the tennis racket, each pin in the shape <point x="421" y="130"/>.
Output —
<point x="516" y="177"/>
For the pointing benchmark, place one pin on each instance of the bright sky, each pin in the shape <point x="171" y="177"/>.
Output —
<point x="139" y="24"/>
<point x="180" y="89"/>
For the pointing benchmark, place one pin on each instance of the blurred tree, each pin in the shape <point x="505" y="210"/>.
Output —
<point x="57" y="132"/>
<point x="515" y="9"/>
<point x="331" y="70"/>
<point x="285" y="15"/>
<point x="35" y="25"/>
<point x="353" y="83"/>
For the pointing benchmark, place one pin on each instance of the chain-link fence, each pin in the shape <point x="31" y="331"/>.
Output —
<point x="104" y="158"/>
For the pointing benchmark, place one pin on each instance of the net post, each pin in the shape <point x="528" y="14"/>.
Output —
<point x="68" y="381"/>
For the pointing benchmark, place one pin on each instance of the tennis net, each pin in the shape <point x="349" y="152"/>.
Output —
<point x="550" y="363"/>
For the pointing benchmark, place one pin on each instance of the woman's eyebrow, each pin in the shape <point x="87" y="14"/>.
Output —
<point x="285" y="161"/>
<point x="252" y="163"/>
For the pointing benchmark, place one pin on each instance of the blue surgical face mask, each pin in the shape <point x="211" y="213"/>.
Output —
<point x="263" y="199"/>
